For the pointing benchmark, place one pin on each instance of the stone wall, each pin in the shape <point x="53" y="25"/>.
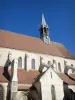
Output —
<point x="21" y="95"/>
<point x="31" y="55"/>
<point x="47" y="81"/>
<point x="4" y="85"/>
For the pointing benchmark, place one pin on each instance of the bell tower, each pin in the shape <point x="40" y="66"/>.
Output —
<point x="44" y="31"/>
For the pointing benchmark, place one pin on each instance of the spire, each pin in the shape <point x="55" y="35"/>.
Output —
<point x="43" y="23"/>
<point x="44" y="31"/>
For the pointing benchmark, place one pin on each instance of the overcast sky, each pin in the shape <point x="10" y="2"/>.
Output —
<point x="24" y="16"/>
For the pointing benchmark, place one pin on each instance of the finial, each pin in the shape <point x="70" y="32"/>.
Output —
<point x="43" y="23"/>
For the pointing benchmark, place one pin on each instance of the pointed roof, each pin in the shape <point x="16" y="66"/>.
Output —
<point x="43" y="23"/>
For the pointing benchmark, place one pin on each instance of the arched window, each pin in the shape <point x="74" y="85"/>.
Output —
<point x="59" y="67"/>
<point x="51" y="74"/>
<point x="1" y="93"/>
<point x="41" y="59"/>
<point x="0" y="58"/>
<point x="54" y="65"/>
<point x="53" y="92"/>
<point x="20" y="62"/>
<point x="25" y="62"/>
<point x="72" y="69"/>
<point x="45" y="29"/>
<point x="49" y="63"/>
<point x="33" y="63"/>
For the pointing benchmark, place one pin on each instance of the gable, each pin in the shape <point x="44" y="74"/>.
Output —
<point x="50" y="77"/>
<point x="57" y="78"/>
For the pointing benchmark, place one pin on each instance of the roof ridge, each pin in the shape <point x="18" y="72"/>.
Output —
<point x="59" y="43"/>
<point x="19" y="34"/>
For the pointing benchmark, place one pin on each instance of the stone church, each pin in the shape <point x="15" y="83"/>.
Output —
<point x="35" y="68"/>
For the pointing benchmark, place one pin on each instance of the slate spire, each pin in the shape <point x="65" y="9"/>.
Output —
<point x="43" y="23"/>
<point x="44" y="31"/>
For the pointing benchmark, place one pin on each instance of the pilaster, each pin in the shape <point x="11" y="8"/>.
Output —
<point x="14" y="80"/>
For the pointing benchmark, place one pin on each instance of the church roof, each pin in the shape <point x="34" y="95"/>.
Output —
<point x="32" y="44"/>
<point x="24" y="76"/>
<point x="29" y="77"/>
<point x="69" y="79"/>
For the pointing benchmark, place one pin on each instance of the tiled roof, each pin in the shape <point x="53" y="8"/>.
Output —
<point x="28" y="77"/>
<point x="32" y="44"/>
<point x="69" y="79"/>
<point x="24" y="76"/>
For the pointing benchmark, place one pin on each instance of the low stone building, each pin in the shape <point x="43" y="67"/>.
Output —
<point x="52" y="85"/>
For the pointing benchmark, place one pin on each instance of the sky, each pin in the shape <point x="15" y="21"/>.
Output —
<point x="24" y="17"/>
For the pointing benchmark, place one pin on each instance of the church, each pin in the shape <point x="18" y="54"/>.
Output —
<point x="35" y="68"/>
